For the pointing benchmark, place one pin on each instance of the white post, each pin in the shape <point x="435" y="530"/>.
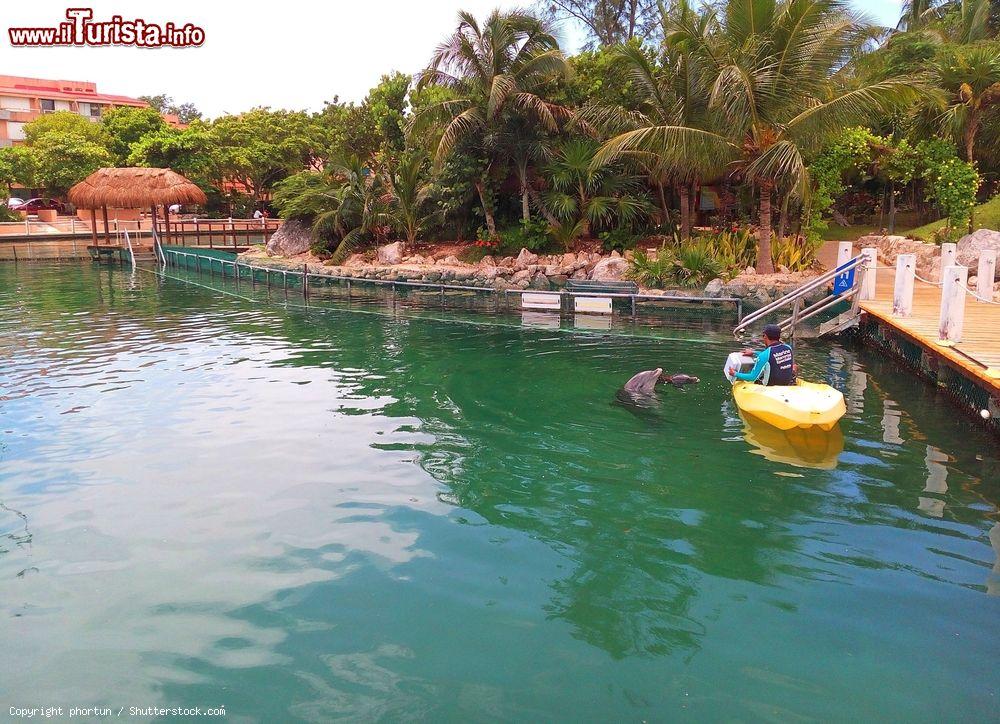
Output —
<point x="902" y="295"/>
<point x="948" y="252"/>
<point x="845" y="252"/>
<point x="986" y="273"/>
<point x="870" y="262"/>
<point x="952" y="305"/>
<point x="231" y="232"/>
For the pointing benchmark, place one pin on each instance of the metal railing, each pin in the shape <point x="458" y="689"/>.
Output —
<point x="131" y="253"/>
<point x="222" y="233"/>
<point x="231" y="230"/>
<point x="796" y="296"/>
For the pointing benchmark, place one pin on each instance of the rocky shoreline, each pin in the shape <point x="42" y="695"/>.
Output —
<point x="525" y="271"/>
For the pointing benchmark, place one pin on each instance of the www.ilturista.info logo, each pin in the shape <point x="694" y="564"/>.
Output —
<point x="83" y="30"/>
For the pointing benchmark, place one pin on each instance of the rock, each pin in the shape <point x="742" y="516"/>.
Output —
<point x="487" y="261"/>
<point x="390" y="254"/>
<point x="782" y="269"/>
<point x="714" y="288"/>
<point x="972" y="245"/>
<point x="568" y="259"/>
<point x="615" y="254"/>
<point x="558" y="280"/>
<point x="521" y="276"/>
<point x="579" y="274"/>
<point x="611" y="269"/>
<point x="432" y="276"/>
<point x="291" y="238"/>
<point x="525" y="258"/>
<point x="540" y="281"/>
<point x="451" y="260"/>
<point x="551" y="269"/>
<point x="749" y="271"/>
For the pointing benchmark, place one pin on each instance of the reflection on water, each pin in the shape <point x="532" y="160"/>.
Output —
<point x="813" y="448"/>
<point x="377" y="514"/>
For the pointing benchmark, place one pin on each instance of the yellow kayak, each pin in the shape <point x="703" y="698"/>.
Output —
<point x="804" y="404"/>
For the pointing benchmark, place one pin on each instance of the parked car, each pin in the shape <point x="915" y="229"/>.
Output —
<point x="33" y="205"/>
<point x="14" y="201"/>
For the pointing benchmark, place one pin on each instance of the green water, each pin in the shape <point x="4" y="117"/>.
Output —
<point x="378" y="513"/>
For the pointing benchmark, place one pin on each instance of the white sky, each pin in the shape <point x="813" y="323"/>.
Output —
<point x="288" y="54"/>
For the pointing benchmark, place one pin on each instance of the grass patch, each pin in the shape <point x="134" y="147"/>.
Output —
<point x="986" y="216"/>
<point x="847" y="233"/>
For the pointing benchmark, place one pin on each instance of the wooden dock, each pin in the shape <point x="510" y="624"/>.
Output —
<point x="976" y="357"/>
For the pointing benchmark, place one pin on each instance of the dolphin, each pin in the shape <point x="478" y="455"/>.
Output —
<point x="644" y="382"/>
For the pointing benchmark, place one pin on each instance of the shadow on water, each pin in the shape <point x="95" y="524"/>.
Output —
<point x="425" y="518"/>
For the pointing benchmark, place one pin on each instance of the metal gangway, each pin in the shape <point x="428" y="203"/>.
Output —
<point x="848" y="281"/>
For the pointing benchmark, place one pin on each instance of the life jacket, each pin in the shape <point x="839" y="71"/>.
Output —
<point x="780" y="365"/>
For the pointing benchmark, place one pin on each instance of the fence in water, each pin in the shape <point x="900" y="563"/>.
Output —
<point x="537" y="307"/>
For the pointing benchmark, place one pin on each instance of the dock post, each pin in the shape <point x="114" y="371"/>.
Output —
<point x="986" y="273"/>
<point x="867" y="292"/>
<point x="902" y="295"/>
<point x="305" y="281"/>
<point x="948" y="252"/>
<point x="952" y="305"/>
<point x="845" y="252"/>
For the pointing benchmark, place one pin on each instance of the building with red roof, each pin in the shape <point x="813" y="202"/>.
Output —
<point x="22" y="100"/>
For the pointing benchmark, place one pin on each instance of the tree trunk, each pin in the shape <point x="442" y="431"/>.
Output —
<point x="783" y="218"/>
<point x="764" y="263"/>
<point x="553" y="221"/>
<point x="970" y="136"/>
<point x="685" y="211"/>
<point x="892" y="208"/>
<point x="522" y="176"/>
<point x="694" y="204"/>
<point x="491" y="225"/>
<point x="663" y="204"/>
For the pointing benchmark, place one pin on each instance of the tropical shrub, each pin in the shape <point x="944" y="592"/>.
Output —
<point x="655" y="271"/>
<point x="619" y="239"/>
<point x="697" y="265"/>
<point x="532" y="235"/>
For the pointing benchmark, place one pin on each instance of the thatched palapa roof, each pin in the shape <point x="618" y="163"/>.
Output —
<point x="132" y="188"/>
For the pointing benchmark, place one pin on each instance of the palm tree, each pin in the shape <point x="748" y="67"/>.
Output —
<point x="409" y="194"/>
<point x="674" y="93"/>
<point x="498" y="70"/>
<point x="346" y="202"/>
<point x="769" y="64"/>
<point x="971" y="76"/>
<point x="583" y="195"/>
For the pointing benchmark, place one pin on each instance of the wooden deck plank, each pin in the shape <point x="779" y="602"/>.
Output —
<point x="978" y="353"/>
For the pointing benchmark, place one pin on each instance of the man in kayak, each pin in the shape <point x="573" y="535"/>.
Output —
<point x="776" y="358"/>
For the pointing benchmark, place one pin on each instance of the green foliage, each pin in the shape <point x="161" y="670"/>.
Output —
<point x="127" y="126"/>
<point x="64" y="123"/>
<point x="656" y="272"/>
<point x="697" y="265"/>
<point x="191" y="152"/>
<point x="6" y="215"/>
<point x="794" y="254"/>
<point x="951" y="183"/>
<point x="532" y="235"/>
<point x="162" y="103"/>
<point x="619" y="239"/>
<point x="18" y="165"/>
<point x="258" y="148"/>
<point x="599" y="77"/>
<point x="64" y="158"/>
<point x="734" y="250"/>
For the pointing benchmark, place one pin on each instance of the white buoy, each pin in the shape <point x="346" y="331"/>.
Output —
<point x="985" y="414"/>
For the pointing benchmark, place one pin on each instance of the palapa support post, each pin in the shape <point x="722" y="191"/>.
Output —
<point x="166" y="223"/>
<point x="902" y="294"/>
<point x="986" y="273"/>
<point x="93" y="225"/>
<point x="867" y="292"/>
<point x="952" y="305"/>
<point x="107" y="233"/>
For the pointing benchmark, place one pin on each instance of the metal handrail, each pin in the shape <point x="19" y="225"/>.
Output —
<point x="799" y="293"/>
<point x="128" y="243"/>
